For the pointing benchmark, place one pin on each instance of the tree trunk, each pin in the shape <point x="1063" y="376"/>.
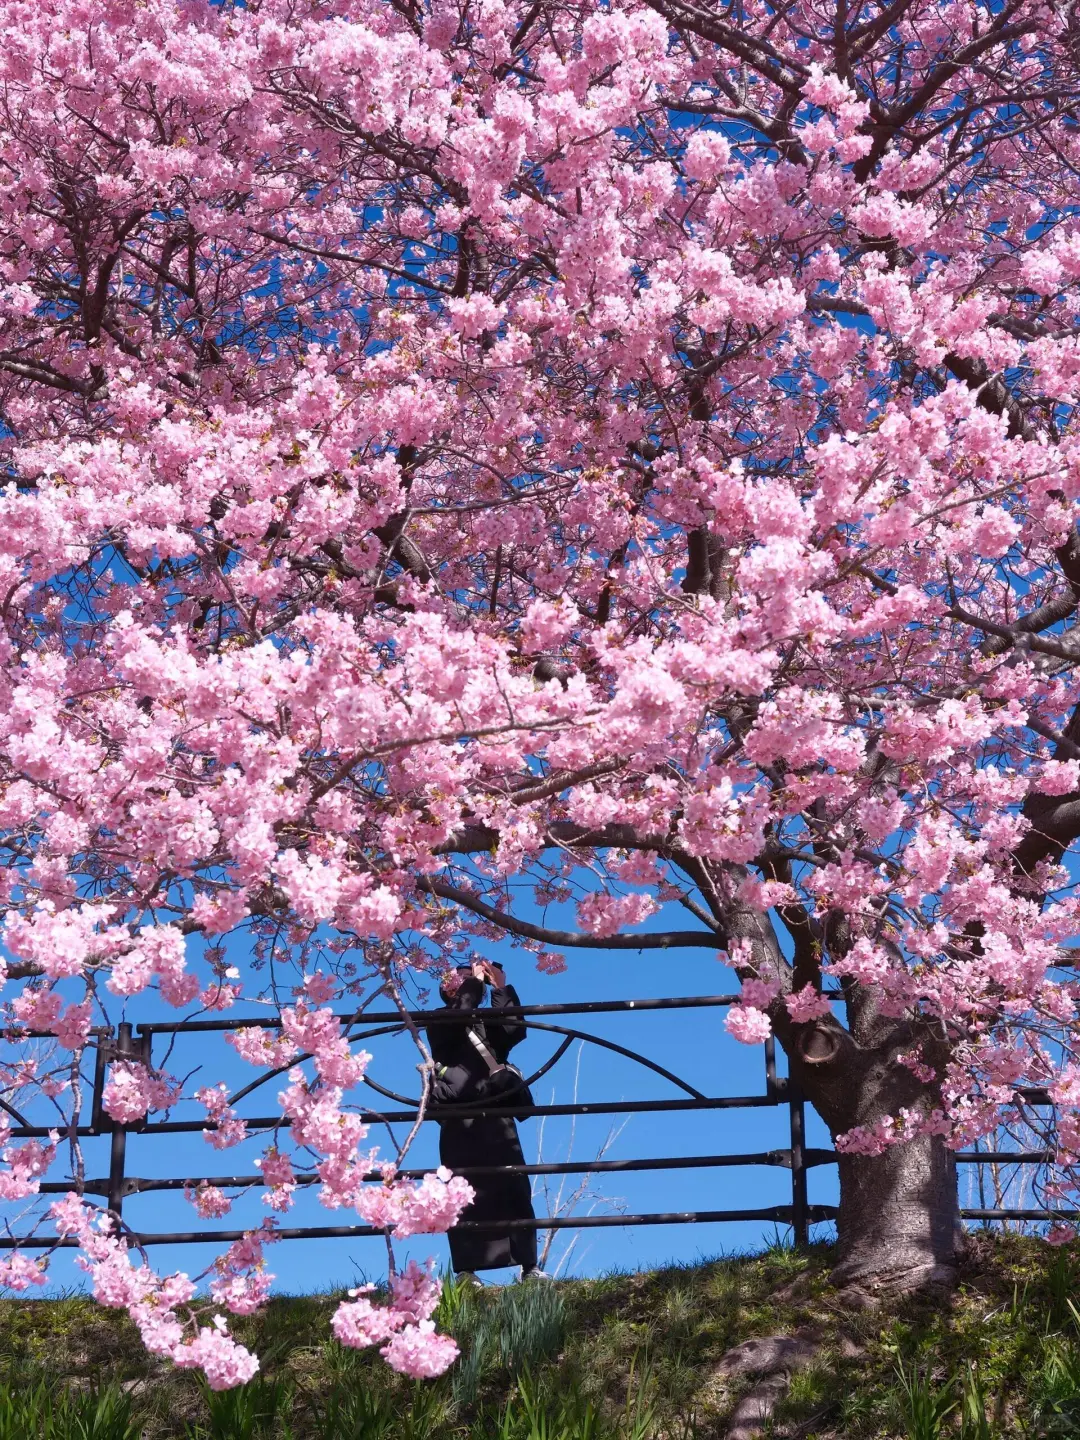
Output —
<point x="899" y="1224"/>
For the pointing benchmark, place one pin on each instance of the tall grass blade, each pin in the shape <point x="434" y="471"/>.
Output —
<point x="974" y="1420"/>
<point x="924" y="1405"/>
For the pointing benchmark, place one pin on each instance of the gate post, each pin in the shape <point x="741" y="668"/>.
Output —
<point x="799" y="1207"/>
<point x="118" y="1149"/>
<point x="99" y="1121"/>
<point x="771" y="1088"/>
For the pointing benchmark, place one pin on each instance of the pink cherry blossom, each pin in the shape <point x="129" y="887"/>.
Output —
<point x="19" y="1272"/>
<point x="228" y="1128"/>
<point x="758" y="994"/>
<point x="807" y="1004"/>
<point x="420" y="1351"/>
<point x="210" y="1202"/>
<point x="222" y="1360"/>
<point x="747" y="1024"/>
<point x="24" y="1166"/>
<point x="124" y="1096"/>
<point x="359" y="1323"/>
<point x="1061" y="1234"/>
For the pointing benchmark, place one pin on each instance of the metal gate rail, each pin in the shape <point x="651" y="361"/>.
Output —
<point x="135" y="1042"/>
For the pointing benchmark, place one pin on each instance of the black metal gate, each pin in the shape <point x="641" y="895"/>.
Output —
<point x="137" y="1043"/>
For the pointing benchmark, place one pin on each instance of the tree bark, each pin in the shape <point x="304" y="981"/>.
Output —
<point x="899" y="1224"/>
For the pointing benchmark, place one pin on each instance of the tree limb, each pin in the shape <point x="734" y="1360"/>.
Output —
<point x="570" y="939"/>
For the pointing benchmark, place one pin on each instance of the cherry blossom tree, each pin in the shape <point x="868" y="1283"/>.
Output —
<point x="474" y="459"/>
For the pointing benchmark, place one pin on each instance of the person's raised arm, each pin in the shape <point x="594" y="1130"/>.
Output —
<point x="503" y="1033"/>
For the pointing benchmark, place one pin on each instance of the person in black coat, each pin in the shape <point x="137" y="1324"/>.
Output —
<point x="468" y="1072"/>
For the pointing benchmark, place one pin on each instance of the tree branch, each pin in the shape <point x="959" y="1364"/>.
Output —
<point x="570" y="939"/>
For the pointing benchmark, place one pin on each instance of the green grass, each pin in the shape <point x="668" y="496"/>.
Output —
<point x="626" y="1357"/>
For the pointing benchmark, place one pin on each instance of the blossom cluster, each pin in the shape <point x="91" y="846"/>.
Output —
<point x="403" y="1328"/>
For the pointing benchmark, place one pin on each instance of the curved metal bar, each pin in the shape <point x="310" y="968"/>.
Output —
<point x="571" y="1035"/>
<point x="390" y="1094"/>
<point x="559" y="1053"/>
<point x="13" y="1113"/>
<point x="620" y="1050"/>
<point x="407" y="1100"/>
<point x="531" y="1025"/>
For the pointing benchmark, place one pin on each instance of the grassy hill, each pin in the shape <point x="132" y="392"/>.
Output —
<point x="677" y="1354"/>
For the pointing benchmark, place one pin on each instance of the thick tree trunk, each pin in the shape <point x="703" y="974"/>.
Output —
<point x="899" y="1223"/>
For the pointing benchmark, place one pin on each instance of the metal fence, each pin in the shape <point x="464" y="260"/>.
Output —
<point x="138" y="1042"/>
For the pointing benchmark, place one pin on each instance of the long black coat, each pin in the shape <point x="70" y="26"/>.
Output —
<point x="461" y="1078"/>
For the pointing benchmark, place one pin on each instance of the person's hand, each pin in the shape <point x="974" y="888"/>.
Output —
<point x="489" y="973"/>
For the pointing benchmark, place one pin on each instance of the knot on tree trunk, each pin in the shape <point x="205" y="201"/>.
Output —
<point x="815" y="1044"/>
